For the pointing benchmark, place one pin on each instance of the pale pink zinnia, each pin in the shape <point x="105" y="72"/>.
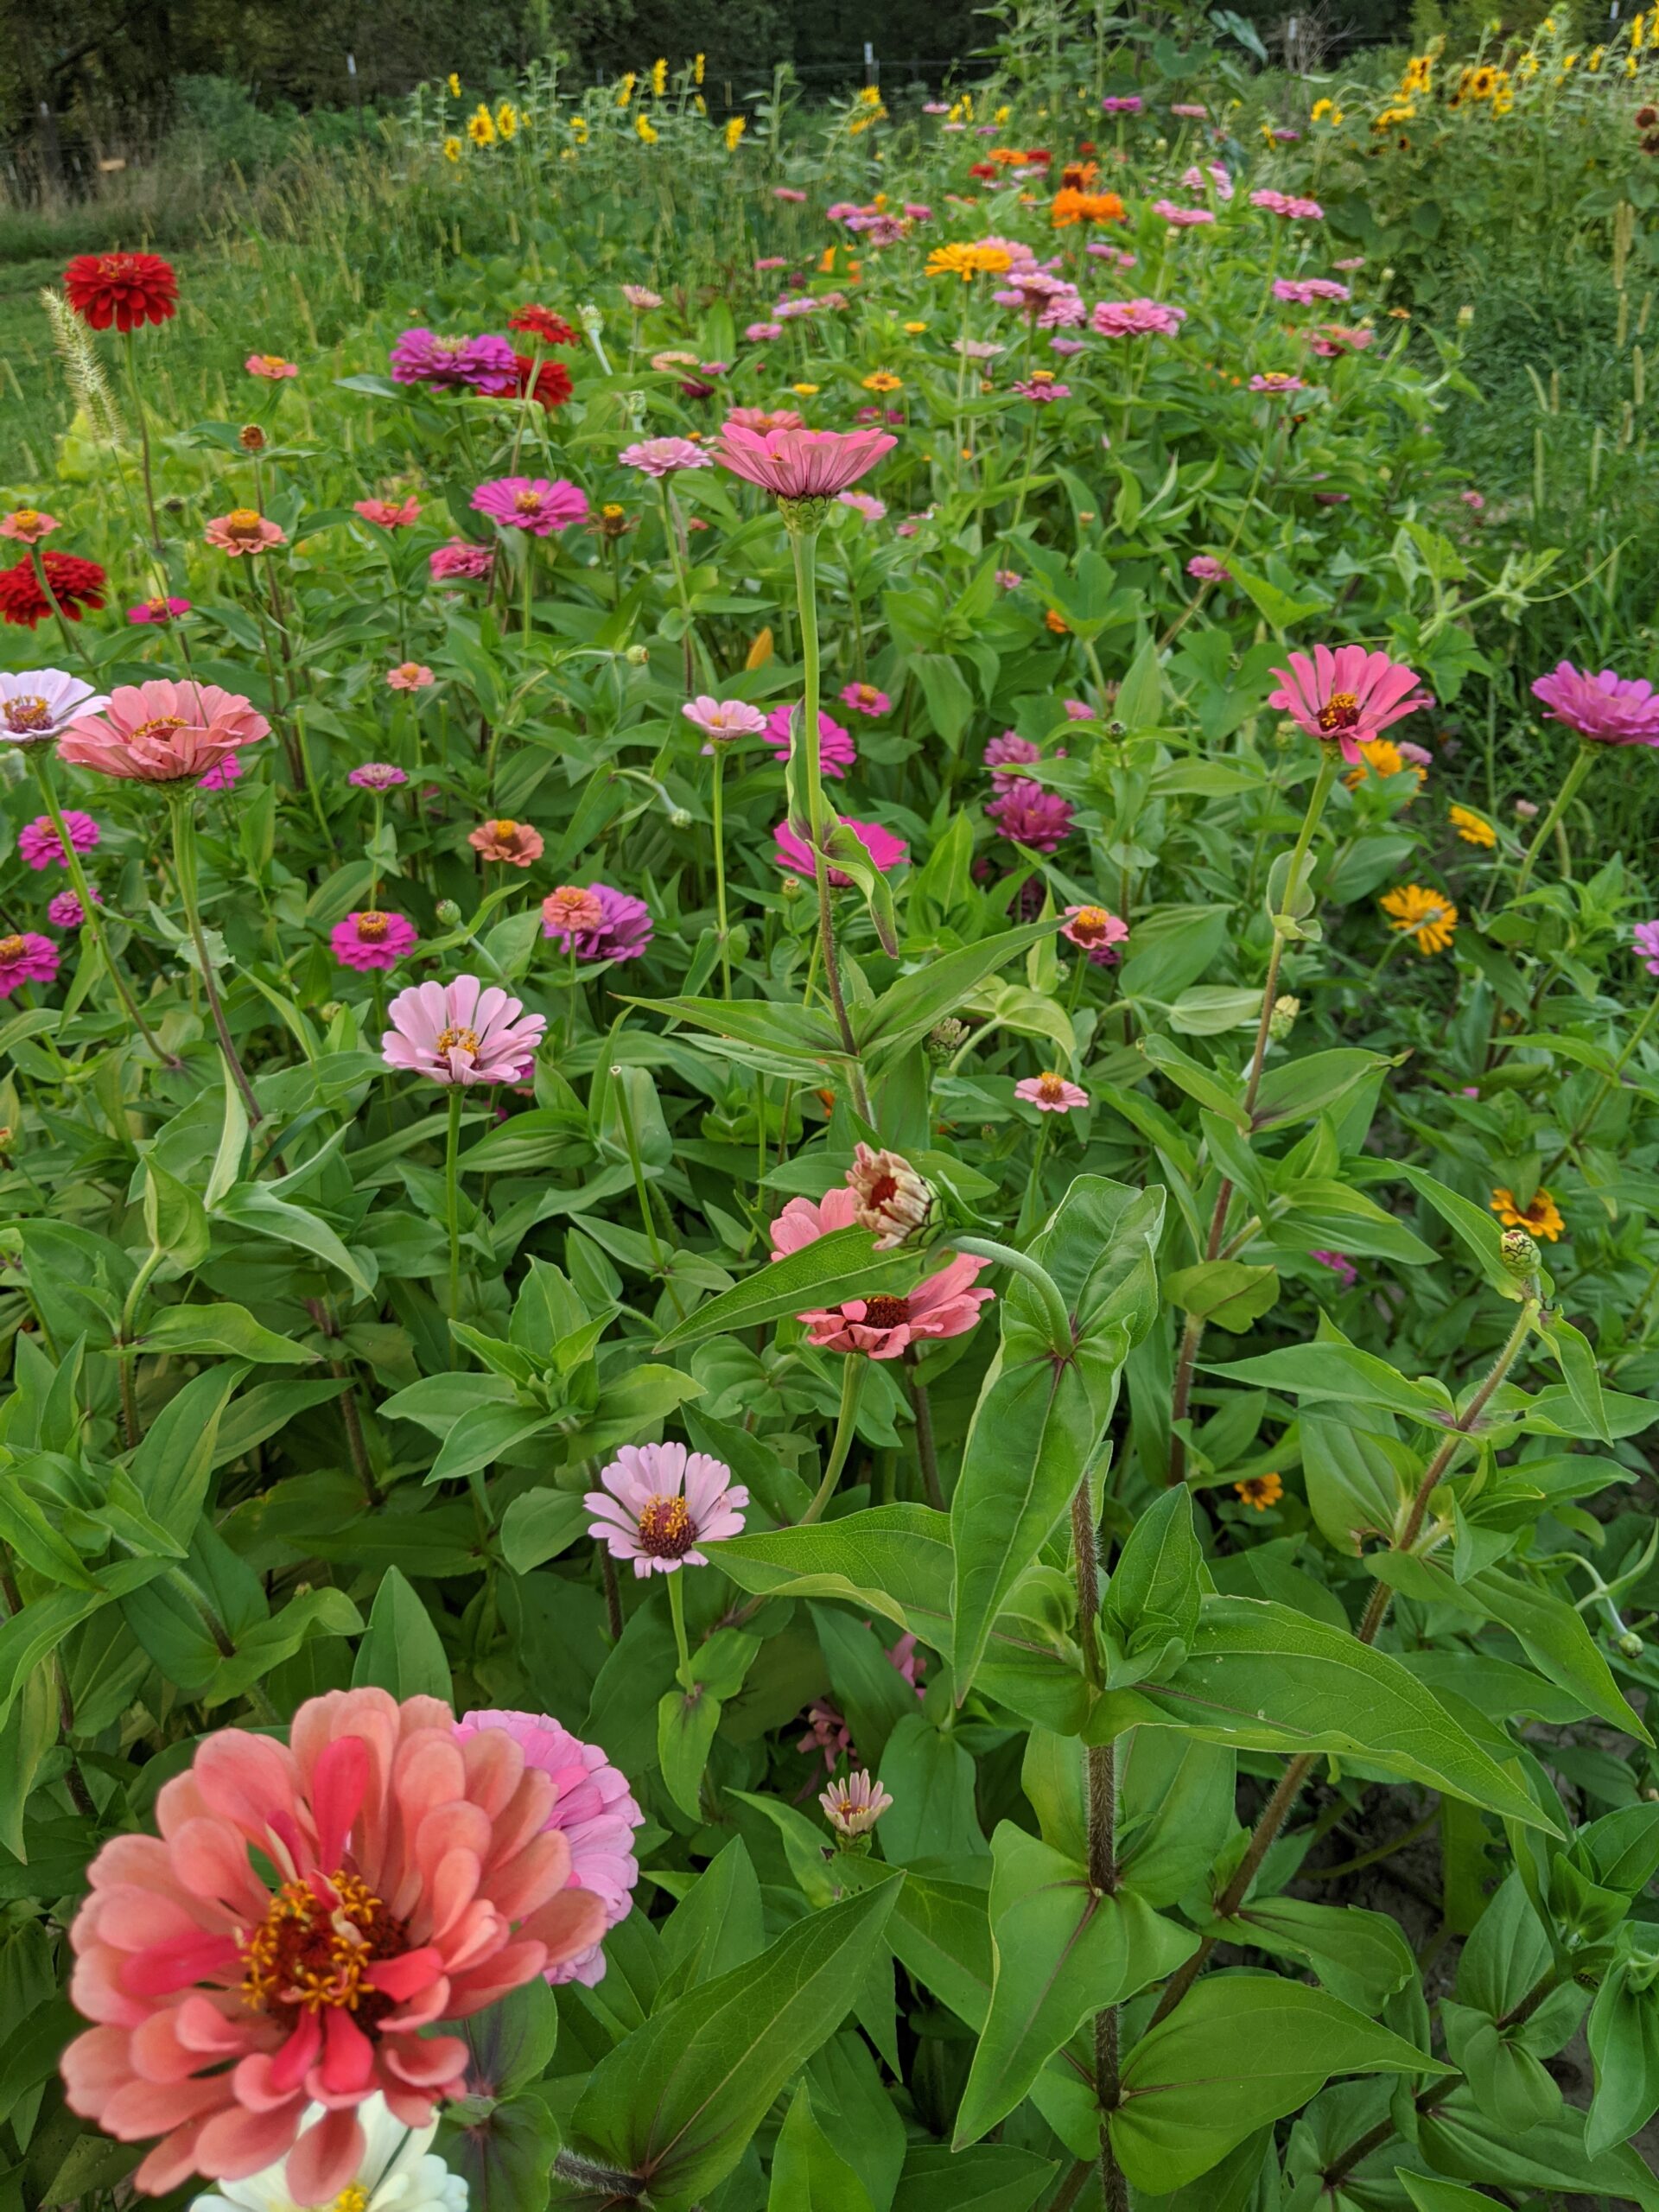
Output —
<point x="372" y="939"/>
<point x="532" y="504"/>
<point x="409" y="675"/>
<point x="1050" y="1093"/>
<point x="376" y="775"/>
<point x="863" y="503"/>
<point x="659" y="1502"/>
<point x="307" y="1910"/>
<point x="594" y="1811"/>
<point x="794" y="853"/>
<point x="721" y="719"/>
<point x="460" y="561"/>
<point x="26" y="958"/>
<point x="1605" y="709"/>
<point x="836" y="751"/>
<point x="161" y="732"/>
<point x="943" y="1304"/>
<point x="853" y="1807"/>
<point x="461" y="1033"/>
<point x="802" y="464"/>
<point x="244" y="531"/>
<point x="1347" y="697"/>
<point x="659" y="457"/>
<point x="1277" y="380"/>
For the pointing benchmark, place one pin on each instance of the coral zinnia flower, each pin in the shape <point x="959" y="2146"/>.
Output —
<point x="409" y="675"/>
<point x="621" y="932"/>
<point x="74" y="584"/>
<point x="388" y="514"/>
<point x="1051" y="1093"/>
<point x="943" y="1304"/>
<point x="1542" y="1217"/>
<point x="1428" y="918"/>
<point x="1260" y="1491"/>
<point x="127" y="290"/>
<point x="659" y="1502"/>
<point x="802" y="464"/>
<point x="513" y="843"/>
<point x="1346" y="697"/>
<point x="27" y="525"/>
<point x="162" y="733"/>
<point x="1605" y="709"/>
<point x="305" y="1911"/>
<point x="26" y="958"/>
<point x="270" y="366"/>
<point x="461" y="1033"/>
<point x="794" y="853"/>
<point x="372" y="939"/>
<point x="1473" y="829"/>
<point x="244" y="531"/>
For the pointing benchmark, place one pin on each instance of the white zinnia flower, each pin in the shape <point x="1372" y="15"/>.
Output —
<point x="398" y="2172"/>
<point x="41" y="702"/>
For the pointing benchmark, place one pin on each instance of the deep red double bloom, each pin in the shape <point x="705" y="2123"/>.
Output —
<point x="552" y="385"/>
<point x="123" y="290"/>
<point x="75" y="584"/>
<point x="542" y="322"/>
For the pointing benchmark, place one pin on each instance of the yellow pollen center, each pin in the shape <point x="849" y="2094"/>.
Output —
<point x="242" y="519"/>
<point x="1051" y="1086"/>
<point x="159" y="726"/>
<point x="27" y="711"/>
<point x="504" y="829"/>
<point x="666" y="1528"/>
<point x="527" y="502"/>
<point x="312" y="1951"/>
<point x="11" y="948"/>
<point x="26" y="517"/>
<point x="353" y="2198"/>
<point x="460" y="1040"/>
<point x="371" y="928"/>
<point x="1341" y="711"/>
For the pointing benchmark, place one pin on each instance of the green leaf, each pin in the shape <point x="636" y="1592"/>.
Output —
<point x="1579" y="1371"/>
<point x="906" y="1010"/>
<point x="172" y="1466"/>
<point x="845" y="1264"/>
<point x="1280" y="610"/>
<point x="994" y="2177"/>
<point x="1474" y="1227"/>
<point x="1430" y="2195"/>
<point x="1238" y="2050"/>
<point x="678" y="2099"/>
<point x="1294" y="1090"/>
<point x="174" y="1219"/>
<point x="538" y="1525"/>
<point x="808" y="2173"/>
<point x="505" y="2155"/>
<point x="229" y="1329"/>
<point x="402" y="1651"/>
<point x="1622" y="2032"/>
<point x="931" y="1780"/>
<point x="1332" y="1370"/>
<point x="1153" y="1599"/>
<point x="1457" y="2138"/>
<point x="1360" y="1956"/>
<point x="1062" y="1952"/>
<point x="252" y="1206"/>
<point x="1225" y="1291"/>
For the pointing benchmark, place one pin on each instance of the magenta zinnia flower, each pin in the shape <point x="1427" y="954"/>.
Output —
<point x="220" y="779"/>
<point x="461" y="1033"/>
<point x="1346" y="696"/>
<point x="865" y="699"/>
<point x="41" y="846"/>
<point x="1646" y="935"/>
<point x="594" y="1811"/>
<point x="162" y="733"/>
<point x="944" y="1304"/>
<point x="26" y="958"/>
<point x="376" y="775"/>
<point x="158" y="610"/>
<point x="802" y="464"/>
<point x="1028" y="815"/>
<point x="1605" y="709"/>
<point x="372" y="939"/>
<point x="460" y="560"/>
<point x="484" y="363"/>
<point x="1340" y="1266"/>
<point x="532" y="503"/>
<point x="66" y="911"/>
<point x="659" y="1502"/>
<point x="622" y="932"/>
<point x="1208" y="570"/>
<point x="794" y="853"/>
<point x="836" y="751"/>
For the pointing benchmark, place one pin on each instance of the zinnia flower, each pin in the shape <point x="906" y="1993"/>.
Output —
<point x="1277" y="380"/>
<point x="1260" y="1491"/>
<point x="894" y="1200"/>
<point x="270" y="366"/>
<point x="1428" y="918"/>
<point x="762" y="419"/>
<point x="39" y="703"/>
<point x="794" y="853"/>
<point x="548" y="383"/>
<point x="660" y="457"/>
<point x="1473" y="829"/>
<point x="160" y="732"/>
<point x="460" y="559"/>
<point x="409" y="675"/>
<point x="1541" y="1217"/>
<point x="515" y="844"/>
<point x="1028" y="815"/>
<point x="27" y="525"/>
<point x="484" y="363"/>
<point x="863" y="503"/>
<point x="594" y="1811"/>
<point x="1340" y="1266"/>
<point x="124" y="290"/>
<point x="1346" y="697"/>
<point x="721" y="719"/>
<point x="376" y="775"/>
<point x="1050" y="1093"/>
<point x="461" y="1033"/>
<point x="1208" y="570"/>
<point x="1303" y="291"/>
<point x="1605" y="709"/>
<point x="865" y="699"/>
<point x="853" y="1807"/>
<point x="40" y="845"/>
<point x="622" y="932"/>
<point x="388" y="514"/>
<point x="158" y="610"/>
<point x="74" y="584"/>
<point x="802" y="464"/>
<point x="66" y="912"/>
<point x="1136" y="319"/>
<point x="372" y="939"/>
<point x="532" y="503"/>
<point x="307" y="1910"/>
<point x="244" y="531"/>
<point x="659" y="1502"/>
<point x="944" y="1304"/>
<point x="541" y="323"/>
<point x="1646" y="938"/>
<point x="1121" y="103"/>
<point x="641" y="299"/>
<point x="398" y="2169"/>
<point x="1181" y="218"/>
<point x="26" y="958"/>
<point x="836" y="751"/>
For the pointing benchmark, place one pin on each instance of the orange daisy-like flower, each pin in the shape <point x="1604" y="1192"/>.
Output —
<point x="1058" y="624"/>
<point x="1428" y="918"/>
<point x="883" y="380"/>
<point x="1260" y="1491"/>
<point x="1473" y="829"/>
<point x="1541" y="1217"/>
<point x="1071" y="206"/>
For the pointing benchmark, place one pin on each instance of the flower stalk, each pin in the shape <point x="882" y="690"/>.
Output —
<point x="184" y="862"/>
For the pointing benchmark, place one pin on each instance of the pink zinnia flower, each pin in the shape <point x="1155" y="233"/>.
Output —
<point x="532" y="503"/>
<point x="622" y="932"/>
<point x="944" y="1304"/>
<point x="27" y="525"/>
<point x="659" y="457"/>
<point x="640" y="299"/>
<point x="1028" y="815"/>
<point x="1277" y="380"/>
<point x="1042" y="390"/>
<point x="1605" y="709"/>
<point x="1008" y="580"/>
<point x="853" y="1807"/>
<point x="1136" y="319"/>
<point x="721" y="719"/>
<point x="788" y="194"/>
<point x="762" y="333"/>
<point x="41" y="846"/>
<point x="460" y="559"/>
<point x="158" y="610"/>
<point x="865" y="699"/>
<point x="1346" y="696"/>
<point x="1181" y="218"/>
<point x="836" y="751"/>
<point x="1332" y="339"/>
<point x="372" y="939"/>
<point x="1303" y="291"/>
<point x="767" y="418"/>
<point x="794" y="853"/>
<point x="594" y="1811"/>
<point x="270" y="366"/>
<point x="26" y="958"/>
<point x="162" y="733"/>
<point x="484" y="364"/>
<point x="1646" y="936"/>
<point x="1192" y="110"/>
<point x="802" y="464"/>
<point x="388" y="514"/>
<point x="1340" y="1266"/>
<point x="220" y="779"/>
<point x="461" y="1033"/>
<point x="570" y="908"/>
<point x="243" y="531"/>
<point x="190" y="1957"/>
<point x="409" y="675"/>
<point x="66" y="911"/>
<point x="659" y="1502"/>
<point x="1472" y="499"/>
<point x="1051" y="1093"/>
<point x="1121" y="103"/>
<point x="1096" y="931"/>
<point x="1208" y="570"/>
<point x="863" y="503"/>
<point x="515" y="844"/>
<point x="376" y="775"/>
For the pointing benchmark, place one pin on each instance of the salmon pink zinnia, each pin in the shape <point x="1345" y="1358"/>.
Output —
<point x="943" y="1304"/>
<point x="305" y="1911"/>
<point x="1346" y="696"/>
<point x="802" y="464"/>
<point x="162" y="733"/>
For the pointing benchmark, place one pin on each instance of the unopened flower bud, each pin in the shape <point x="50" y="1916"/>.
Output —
<point x="679" y="819"/>
<point x="1521" y="1256"/>
<point x="332" y="1010"/>
<point x="448" y="914"/>
<point x="892" y="1198"/>
<point x="1282" y="1020"/>
<point x="1527" y="809"/>
<point x="1629" y="1645"/>
<point x="852" y="1808"/>
<point x="945" y="1037"/>
<point x="1466" y="316"/>
<point x="792" y="889"/>
<point x="637" y="656"/>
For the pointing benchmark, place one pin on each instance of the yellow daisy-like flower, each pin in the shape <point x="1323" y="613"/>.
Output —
<point x="452" y="149"/>
<point x="1391" y="115"/>
<point x="1260" y="1491"/>
<point x="1480" y="83"/>
<point x="869" y="96"/>
<point x="1631" y="66"/>
<point x="579" y="129"/>
<point x="1428" y="918"/>
<point x="1542" y="1217"/>
<point x="883" y="380"/>
<point x="645" y="130"/>
<point x="1002" y="115"/>
<point x="507" y="119"/>
<point x="1473" y="829"/>
<point x="966" y="261"/>
<point x="805" y="390"/>
<point x="454" y="85"/>
<point x="1383" y="758"/>
<point x="1503" y="103"/>
<point x="699" y="62"/>
<point x="1420" y="74"/>
<point x="624" y="90"/>
<point x="1638" y="23"/>
<point x="1598" y="55"/>
<point x="1322" y="110"/>
<point x="735" y="130"/>
<point x="480" y="127"/>
<point x="659" y="76"/>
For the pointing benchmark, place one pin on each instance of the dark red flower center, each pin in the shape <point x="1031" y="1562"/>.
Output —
<point x="371" y="928"/>
<point x="313" y="1947"/>
<point x="1339" y="712"/>
<point x="666" y="1528"/>
<point x="886" y="1313"/>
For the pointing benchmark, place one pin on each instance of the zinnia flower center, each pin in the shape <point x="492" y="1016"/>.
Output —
<point x="353" y="2198"/>
<point x="1340" y="711"/>
<point x="11" y="948"/>
<point x="886" y="1313"/>
<point x="314" y="1946"/>
<point x="371" y="928"/>
<point x="244" y="522"/>
<point x="666" y="1528"/>
<point x="527" y="502"/>
<point x="504" y="829"/>
<point x="27" y="711"/>
<point x="1051" y="1087"/>
<point x="158" y="726"/>
<point x="26" y="517"/>
<point x="1088" y="924"/>
<point x="459" y="1040"/>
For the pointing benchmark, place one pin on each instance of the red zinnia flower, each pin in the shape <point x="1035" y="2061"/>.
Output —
<point x="75" y="583"/>
<point x="542" y="322"/>
<point x="126" y="289"/>
<point x="552" y="385"/>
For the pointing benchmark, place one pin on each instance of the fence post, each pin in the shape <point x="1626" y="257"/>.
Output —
<point x="872" y="66"/>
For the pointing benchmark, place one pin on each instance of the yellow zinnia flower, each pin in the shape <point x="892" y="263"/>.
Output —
<point x="915" y="329"/>
<point x="1428" y="918"/>
<point x="967" y="261"/>
<point x="806" y="391"/>
<point x="1473" y="829"/>
<point x="1383" y="758"/>
<point x="883" y="380"/>
<point x="1542" y="1217"/>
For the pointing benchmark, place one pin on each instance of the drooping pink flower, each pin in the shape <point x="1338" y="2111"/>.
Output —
<point x="1136" y="319"/>
<point x="532" y="504"/>
<point x="388" y="514"/>
<point x="243" y="531"/>
<point x="836" y="751"/>
<point x="514" y="844"/>
<point x="272" y="368"/>
<point x="307" y="1910"/>
<point x="1208" y="570"/>
<point x="827" y="1733"/>
<point x="865" y="699"/>
<point x="1304" y="291"/>
<point x="1346" y="696"/>
<point x="66" y="911"/>
<point x="594" y="1811"/>
<point x="944" y="1304"/>
<point x="26" y="958"/>
<point x="1605" y="709"/>
<point x="372" y="939"/>
<point x="160" y="732"/>
<point x="1028" y="815"/>
<point x="461" y="1033"/>
<point x="460" y="561"/>
<point x="1050" y="1093"/>
<point x="1182" y="218"/>
<point x="794" y="853"/>
<point x="40" y="845"/>
<point x="722" y="720"/>
<point x="1340" y="1266"/>
<point x="1096" y="931"/>
<point x="484" y="363"/>
<point x="802" y="464"/>
<point x="376" y="775"/>
<point x="659" y="1502"/>
<point x="622" y="932"/>
<point x="1646" y="937"/>
<point x="158" y="610"/>
<point x="660" y="457"/>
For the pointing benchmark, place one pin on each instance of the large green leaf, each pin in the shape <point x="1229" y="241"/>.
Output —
<point x="402" y="1651"/>
<point x="909" y="1008"/>
<point x="1458" y="2139"/>
<point x="844" y="1264"/>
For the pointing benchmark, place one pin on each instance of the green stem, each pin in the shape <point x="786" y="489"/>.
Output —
<point x="184" y="861"/>
<point x="719" y="807"/>
<point x="1570" y="783"/>
<point x="1587" y="1121"/>
<point x="1062" y="1342"/>
<point x="676" y="1609"/>
<point x="144" y="442"/>
<point x="852" y="1385"/>
<point x="452" y="1196"/>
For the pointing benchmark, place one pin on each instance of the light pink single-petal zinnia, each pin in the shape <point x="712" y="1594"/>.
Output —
<point x="462" y="1031"/>
<point x="160" y="732"/>
<point x="659" y="1503"/>
<point x="802" y="464"/>
<point x="1346" y="696"/>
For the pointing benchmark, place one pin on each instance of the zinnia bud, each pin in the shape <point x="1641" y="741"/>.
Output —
<point x="852" y="1808"/>
<point x="1282" y="1020"/>
<point x="892" y="1198"/>
<point x="945" y="1037"/>
<point x="448" y="914"/>
<point x="637" y="656"/>
<point x="1629" y="1645"/>
<point x="1521" y="1256"/>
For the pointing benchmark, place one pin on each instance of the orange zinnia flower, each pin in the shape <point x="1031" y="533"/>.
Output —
<point x="1073" y="207"/>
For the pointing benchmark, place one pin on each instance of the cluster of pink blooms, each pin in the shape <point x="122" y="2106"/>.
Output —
<point x="1285" y="205"/>
<point x="1136" y="319"/>
<point x="486" y="364"/>
<point x="597" y="922"/>
<point x="943" y="1304"/>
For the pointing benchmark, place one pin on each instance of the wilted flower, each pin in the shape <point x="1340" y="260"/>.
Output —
<point x="943" y="1304"/>
<point x="894" y="1200"/>
<point x="658" y="1503"/>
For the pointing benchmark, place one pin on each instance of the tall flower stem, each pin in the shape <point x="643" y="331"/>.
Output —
<point x="184" y="861"/>
<point x="1277" y="1809"/>
<point x="452" y="1196"/>
<point x="144" y="442"/>
<point x="1193" y="1334"/>
<point x="926" y="1451"/>
<point x="40" y="761"/>
<point x="1102" y="1779"/>
<point x="1062" y="1342"/>
<point x="852" y="1385"/>
<point x="718" y="808"/>
<point x="1563" y="799"/>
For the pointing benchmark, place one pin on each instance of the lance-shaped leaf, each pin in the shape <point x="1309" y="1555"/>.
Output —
<point x="845" y="1264"/>
<point x="677" y="2100"/>
<point x="906" y="1011"/>
<point x="797" y="1036"/>
<point x="1458" y="2139"/>
<point x="1266" y="1678"/>
<point x="1062" y="1951"/>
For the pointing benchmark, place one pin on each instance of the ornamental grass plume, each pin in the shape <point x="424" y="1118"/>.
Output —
<point x="463" y="1033"/>
<point x="160" y="732"/>
<point x="1346" y="696"/>
<point x="657" y="1503"/>
<point x="307" y="1910"/>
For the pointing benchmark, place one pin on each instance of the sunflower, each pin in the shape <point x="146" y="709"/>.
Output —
<point x="1420" y="74"/>
<point x="1428" y="918"/>
<point x="735" y="130"/>
<point x="645" y="129"/>
<point x="452" y="149"/>
<point x="481" y="126"/>
<point x="454" y="85"/>
<point x="1542" y="1217"/>
<point x="507" y="119"/>
<point x="1260" y="1491"/>
<point x="659" y="76"/>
